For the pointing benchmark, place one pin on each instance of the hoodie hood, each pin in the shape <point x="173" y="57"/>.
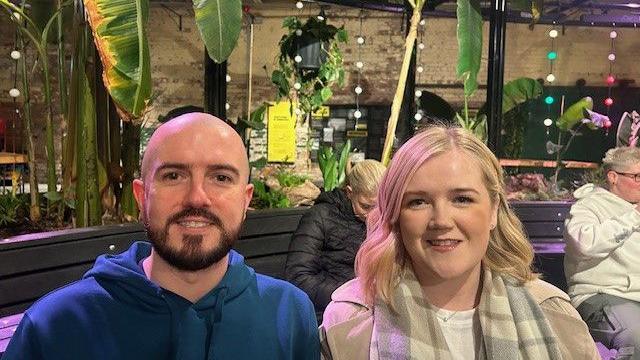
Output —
<point x="338" y="198"/>
<point x="589" y="190"/>
<point x="191" y="323"/>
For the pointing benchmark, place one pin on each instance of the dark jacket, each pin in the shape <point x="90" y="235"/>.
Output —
<point x="115" y="312"/>
<point x="324" y="247"/>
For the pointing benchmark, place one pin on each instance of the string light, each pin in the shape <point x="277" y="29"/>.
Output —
<point x="359" y="65"/>
<point x="14" y="93"/>
<point x="552" y="55"/>
<point x="297" y="85"/>
<point x="547" y="122"/>
<point x="228" y="78"/>
<point x="297" y="59"/>
<point x="611" y="79"/>
<point x="419" y="69"/>
<point x="15" y="54"/>
<point x="299" y="5"/>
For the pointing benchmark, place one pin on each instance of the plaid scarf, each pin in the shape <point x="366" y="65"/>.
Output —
<point x="513" y="325"/>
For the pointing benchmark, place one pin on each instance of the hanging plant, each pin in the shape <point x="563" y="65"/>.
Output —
<point x="310" y="62"/>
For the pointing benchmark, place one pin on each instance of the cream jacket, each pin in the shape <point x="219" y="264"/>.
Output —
<point x="347" y="324"/>
<point x="602" y="233"/>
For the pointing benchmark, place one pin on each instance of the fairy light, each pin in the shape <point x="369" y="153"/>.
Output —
<point x="299" y="5"/>
<point x="552" y="55"/>
<point x="418" y="116"/>
<point x="611" y="79"/>
<point x="15" y="54"/>
<point x="359" y="66"/>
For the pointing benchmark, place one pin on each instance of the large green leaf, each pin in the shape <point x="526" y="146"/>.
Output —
<point x="574" y="114"/>
<point x="518" y="91"/>
<point x="119" y="34"/>
<point x="219" y="22"/>
<point x="469" y="33"/>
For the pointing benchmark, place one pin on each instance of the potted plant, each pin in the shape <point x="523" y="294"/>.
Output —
<point x="309" y="63"/>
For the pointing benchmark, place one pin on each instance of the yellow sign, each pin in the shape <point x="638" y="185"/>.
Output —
<point x="323" y="111"/>
<point x="281" y="133"/>
<point x="357" y="133"/>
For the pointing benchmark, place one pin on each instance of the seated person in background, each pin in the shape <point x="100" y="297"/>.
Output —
<point x="186" y="295"/>
<point x="324" y="245"/>
<point x="445" y="271"/>
<point x="602" y="256"/>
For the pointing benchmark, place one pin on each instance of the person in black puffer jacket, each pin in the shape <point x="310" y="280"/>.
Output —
<point x="324" y="246"/>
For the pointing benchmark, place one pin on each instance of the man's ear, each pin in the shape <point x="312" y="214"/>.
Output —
<point x="248" y="194"/>
<point x="138" y="193"/>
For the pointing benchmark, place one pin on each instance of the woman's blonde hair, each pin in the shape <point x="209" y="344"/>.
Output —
<point x="382" y="258"/>
<point x="364" y="177"/>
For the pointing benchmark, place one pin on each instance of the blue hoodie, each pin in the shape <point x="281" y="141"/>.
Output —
<point x="115" y="312"/>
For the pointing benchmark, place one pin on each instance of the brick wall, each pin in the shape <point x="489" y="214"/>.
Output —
<point x="177" y="59"/>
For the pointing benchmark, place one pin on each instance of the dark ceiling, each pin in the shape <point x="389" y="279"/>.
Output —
<point x="617" y="13"/>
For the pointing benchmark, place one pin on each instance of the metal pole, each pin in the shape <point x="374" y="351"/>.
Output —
<point x="215" y="87"/>
<point x="408" y="109"/>
<point x="495" y="74"/>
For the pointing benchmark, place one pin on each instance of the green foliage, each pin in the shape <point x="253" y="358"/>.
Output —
<point x="574" y="114"/>
<point x="13" y="209"/>
<point x="265" y="198"/>
<point x="333" y="167"/>
<point x="289" y="179"/>
<point x="315" y="84"/>
<point x="469" y="33"/>
<point x="219" y="23"/>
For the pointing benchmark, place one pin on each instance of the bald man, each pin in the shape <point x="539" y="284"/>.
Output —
<point x="186" y="294"/>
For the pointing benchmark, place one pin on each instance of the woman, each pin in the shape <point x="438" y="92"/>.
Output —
<point x="445" y="271"/>
<point x="324" y="246"/>
<point x="602" y="233"/>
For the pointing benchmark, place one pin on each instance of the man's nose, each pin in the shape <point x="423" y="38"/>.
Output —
<point x="197" y="195"/>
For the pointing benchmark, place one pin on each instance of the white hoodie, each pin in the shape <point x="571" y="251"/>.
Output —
<point x="602" y="254"/>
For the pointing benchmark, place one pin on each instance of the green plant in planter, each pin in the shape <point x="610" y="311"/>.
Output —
<point x="333" y="167"/>
<point x="309" y="80"/>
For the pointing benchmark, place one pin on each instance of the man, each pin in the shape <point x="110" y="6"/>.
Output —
<point x="602" y="256"/>
<point x="186" y="295"/>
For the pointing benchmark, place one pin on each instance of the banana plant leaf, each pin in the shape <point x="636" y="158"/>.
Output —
<point x="469" y="33"/>
<point x="219" y="23"/>
<point x="119" y="33"/>
<point x="518" y="91"/>
<point x="574" y="114"/>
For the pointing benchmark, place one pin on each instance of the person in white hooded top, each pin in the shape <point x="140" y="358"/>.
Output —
<point x="602" y="255"/>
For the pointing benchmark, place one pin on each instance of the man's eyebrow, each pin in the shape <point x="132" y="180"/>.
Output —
<point x="173" y="166"/>
<point x="226" y="167"/>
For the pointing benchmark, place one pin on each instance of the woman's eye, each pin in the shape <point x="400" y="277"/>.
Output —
<point x="416" y="202"/>
<point x="464" y="199"/>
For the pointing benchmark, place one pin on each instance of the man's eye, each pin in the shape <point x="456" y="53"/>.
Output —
<point x="171" y="176"/>
<point x="223" y="178"/>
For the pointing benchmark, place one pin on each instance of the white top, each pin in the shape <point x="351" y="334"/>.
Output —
<point x="461" y="329"/>
<point x="602" y="235"/>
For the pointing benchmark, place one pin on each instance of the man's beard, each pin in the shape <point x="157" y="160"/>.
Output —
<point x="191" y="257"/>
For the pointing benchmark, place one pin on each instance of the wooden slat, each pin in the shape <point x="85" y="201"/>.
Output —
<point x="263" y="245"/>
<point x="269" y="265"/>
<point x="544" y="229"/>
<point x="569" y="164"/>
<point x="541" y="211"/>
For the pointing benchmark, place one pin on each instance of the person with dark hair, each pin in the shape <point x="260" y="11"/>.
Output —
<point x="185" y="295"/>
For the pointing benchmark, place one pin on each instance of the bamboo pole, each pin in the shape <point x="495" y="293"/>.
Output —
<point x="402" y="79"/>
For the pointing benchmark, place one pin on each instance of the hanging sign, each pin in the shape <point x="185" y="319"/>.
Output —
<point x="281" y="133"/>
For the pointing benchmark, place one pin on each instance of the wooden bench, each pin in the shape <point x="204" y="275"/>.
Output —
<point x="35" y="264"/>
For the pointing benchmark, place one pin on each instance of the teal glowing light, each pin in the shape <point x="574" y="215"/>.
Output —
<point x="549" y="100"/>
<point x="552" y="55"/>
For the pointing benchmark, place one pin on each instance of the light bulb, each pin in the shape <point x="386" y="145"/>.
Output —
<point x="16" y="16"/>
<point x="612" y="57"/>
<point x="227" y="106"/>
<point x="297" y="59"/>
<point x="420" y="69"/>
<point x="608" y="101"/>
<point x="360" y="40"/>
<point x="358" y="90"/>
<point x="553" y="33"/>
<point x="547" y="122"/>
<point x="299" y="5"/>
<point x="417" y="116"/>
<point x="611" y="79"/>
<point x="551" y="78"/>
<point x="15" y="54"/>
<point x="552" y="55"/>
<point x="359" y="64"/>
<point x="418" y="93"/>
<point x="423" y="21"/>
<point x="297" y="86"/>
<point x="228" y="78"/>
<point x="613" y="34"/>
<point x="298" y="111"/>
<point x="607" y="124"/>
<point x="357" y="114"/>
<point x="421" y="46"/>
<point x="14" y="92"/>
<point x="549" y="100"/>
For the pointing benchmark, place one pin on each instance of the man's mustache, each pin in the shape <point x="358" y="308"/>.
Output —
<point x="193" y="211"/>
